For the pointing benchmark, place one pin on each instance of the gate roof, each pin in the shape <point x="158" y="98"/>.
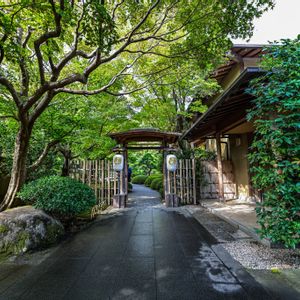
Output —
<point x="145" y="135"/>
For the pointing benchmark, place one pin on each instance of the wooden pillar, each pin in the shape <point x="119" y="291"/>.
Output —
<point x="194" y="181"/>
<point x="220" y="167"/>
<point x="181" y="176"/>
<point x="125" y="188"/>
<point x="96" y="180"/>
<point x="165" y="172"/>
<point x="108" y="182"/>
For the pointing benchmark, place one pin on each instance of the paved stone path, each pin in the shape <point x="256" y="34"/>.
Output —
<point x="143" y="252"/>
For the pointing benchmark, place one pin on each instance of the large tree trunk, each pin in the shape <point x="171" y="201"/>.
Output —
<point x="67" y="162"/>
<point x="179" y="123"/>
<point x="18" y="172"/>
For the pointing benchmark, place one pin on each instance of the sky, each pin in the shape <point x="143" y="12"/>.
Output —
<point x="281" y="22"/>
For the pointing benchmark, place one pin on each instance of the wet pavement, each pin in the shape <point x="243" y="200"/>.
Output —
<point x="143" y="252"/>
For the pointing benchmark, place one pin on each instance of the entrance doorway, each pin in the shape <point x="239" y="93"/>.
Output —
<point x="152" y="139"/>
<point x="109" y="186"/>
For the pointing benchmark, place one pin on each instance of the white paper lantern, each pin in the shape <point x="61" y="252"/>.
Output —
<point x="171" y="162"/>
<point x="118" y="162"/>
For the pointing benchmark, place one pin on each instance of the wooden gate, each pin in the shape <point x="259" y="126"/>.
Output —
<point x="197" y="179"/>
<point x="183" y="182"/>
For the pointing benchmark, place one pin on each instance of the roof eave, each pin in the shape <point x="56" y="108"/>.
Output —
<point x="247" y="71"/>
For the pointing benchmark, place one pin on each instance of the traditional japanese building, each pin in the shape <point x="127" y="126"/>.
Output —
<point x="224" y="128"/>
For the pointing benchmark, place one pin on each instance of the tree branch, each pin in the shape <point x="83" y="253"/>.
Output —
<point x="43" y="155"/>
<point x="41" y="107"/>
<point x="103" y="88"/>
<point x="116" y="8"/>
<point x="46" y="36"/>
<point x="22" y="62"/>
<point x="5" y="82"/>
<point x="73" y="53"/>
<point x="3" y="39"/>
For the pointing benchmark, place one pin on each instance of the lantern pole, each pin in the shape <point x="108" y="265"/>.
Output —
<point x="119" y="200"/>
<point x="170" y="165"/>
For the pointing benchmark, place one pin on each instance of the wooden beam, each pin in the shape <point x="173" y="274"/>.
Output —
<point x="234" y="124"/>
<point x="125" y="154"/>
<point x="165" y="173"/>
<point x="220" y="167"/>
<point x="145" y="148"/>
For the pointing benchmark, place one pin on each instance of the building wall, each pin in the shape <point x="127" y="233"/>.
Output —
<point x="239" y="151"/>
<point x="209" y="183"/>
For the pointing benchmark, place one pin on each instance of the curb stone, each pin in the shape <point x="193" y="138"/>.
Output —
<point x="240" y="226"/>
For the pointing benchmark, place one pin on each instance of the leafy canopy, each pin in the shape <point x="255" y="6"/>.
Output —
<point x="52" y="49"/>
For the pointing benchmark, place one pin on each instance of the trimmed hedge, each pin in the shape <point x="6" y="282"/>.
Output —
<point x="156" y="184"/>
<point x="62" y="196"/>
<point x="150" y="178"/>
<point x="139" y="179"/>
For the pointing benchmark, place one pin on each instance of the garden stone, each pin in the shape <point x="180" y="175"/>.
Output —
<point x="26" y="228"/>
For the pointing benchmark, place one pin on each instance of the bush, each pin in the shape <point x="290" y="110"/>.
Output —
<point x="149" y="179"/>
<point x="61" y="196"/>
<point x="129" y="187"/>
<point x="139" y="179"/>
<point x="156" y="184"/>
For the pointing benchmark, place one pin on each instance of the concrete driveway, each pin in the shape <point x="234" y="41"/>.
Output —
<point x="143" y="252"/>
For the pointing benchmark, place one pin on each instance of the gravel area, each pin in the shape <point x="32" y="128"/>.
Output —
<point x="253" y="255"/>
<point x="243" y="248"/>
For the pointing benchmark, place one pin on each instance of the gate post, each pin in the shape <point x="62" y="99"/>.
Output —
<point x="120" y="200"/>
<point x="171" y="200"/>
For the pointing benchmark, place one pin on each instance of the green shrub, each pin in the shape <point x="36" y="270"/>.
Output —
<point x="160" y="185"/>
<point x="61" y="196"/>
<point x="129" y="187"/>
<point x="149" y="179"/>
<point x="156" y="184"/>
<point x="139" y="179"/>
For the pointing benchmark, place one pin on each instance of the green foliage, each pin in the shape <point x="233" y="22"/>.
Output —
<point x="98" y="26"/>
<point x="203" y="154"/>
<point x="156" y="184"/>
<point x="275" y="151"/>
<point x="61" y="196"/>
<point x="139" y="179"/>
<point x="144" y="162"/>
<point x="199" y="153"/>
<point x="150" y="178"/>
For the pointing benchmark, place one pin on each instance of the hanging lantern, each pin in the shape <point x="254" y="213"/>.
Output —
<point x="118" y="162"/>
<point x="171" y="162"/>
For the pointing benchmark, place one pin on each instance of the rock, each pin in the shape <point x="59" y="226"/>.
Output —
<point x="26" y="228"/>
